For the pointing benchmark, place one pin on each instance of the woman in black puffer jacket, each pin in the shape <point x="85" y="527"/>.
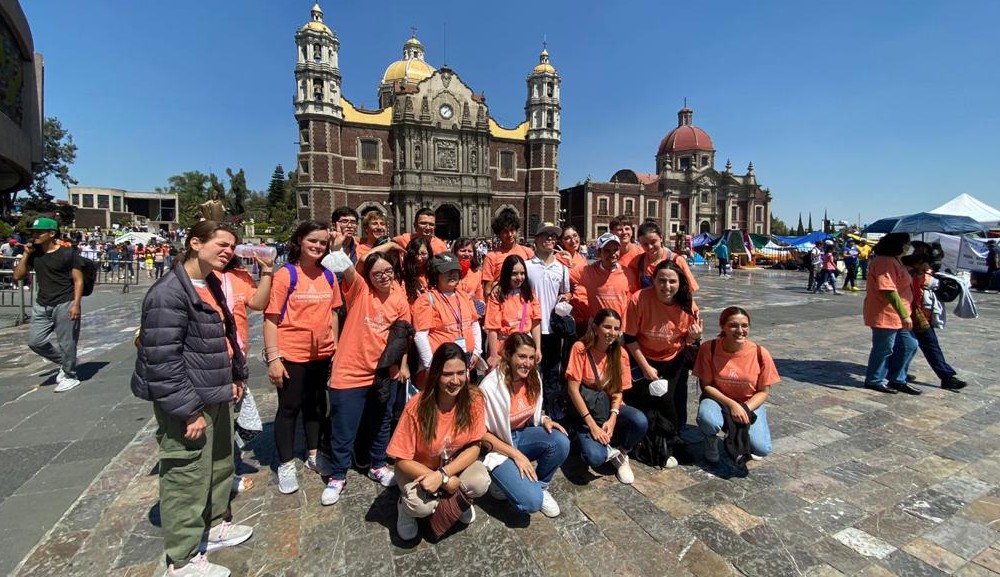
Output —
<point x="190" y="366"/>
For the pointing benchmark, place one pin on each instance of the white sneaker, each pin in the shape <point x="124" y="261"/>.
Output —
<point x="549" y="506"/>
<point x="384" y="475"/>
<point x="712" y="449"/>
<point x="332" y="492"/>
<point x="612" y="454"/>
<point x="671" y="463"/>
<point x="288" y="479"/>
<point x="756" y="457"/>
<point x="406" y="526"/>
<point x="469" y="515"/>
<point x="624" y="470"/>
<point x="320" y="464"/>
<point x="60" y="376"/>
<point x="198" y="567"/>
<point x="226" y="534"/>
<point x="497" y="493"/>
<point x="66" y="384"/>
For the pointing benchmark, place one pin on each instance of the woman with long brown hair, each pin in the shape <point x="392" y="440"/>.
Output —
<point x="597" y="372"/>
<point x="436" y="443"/>
<point x="519" y="433"/>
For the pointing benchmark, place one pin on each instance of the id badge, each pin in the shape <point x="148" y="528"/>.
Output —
<point x="460" y="341"/>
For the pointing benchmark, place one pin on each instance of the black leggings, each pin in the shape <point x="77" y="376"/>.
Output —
<point x="303" y="391"/>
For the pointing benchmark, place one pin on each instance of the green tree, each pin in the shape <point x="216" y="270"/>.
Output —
<point x="276" y="189"/>
<point x="58" y="155"/>
<point x="800" y="230"/>
<point x="810" y="222"/>
<point x="237" y="192"/>
<point x="778" y="226"/>
<point x="192" y="189"/>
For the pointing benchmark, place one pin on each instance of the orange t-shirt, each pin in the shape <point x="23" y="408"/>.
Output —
<point x="239" y="288"/>
<point x="578" y="293"/>
<point x="626" y="258"/>
<point x="578" y="367"/>
<point x="362" y="251"/>
<point x="660" y="328"/>
<point x="447" y="319"/>
<point x="408" y="444"/>
<point x="522" y="411"/>
<point x="206" y="296"/>
<point x="437" y="245"/>
<point x="494" y="260"/>
<point x="737" y="375"/>
<point x="306" y="333"/>
<point x="511" y="315"/>
<point x="886" y="273"/>
<point x="472" y="284"/>
<point x="604" y="289"/>
<point x="578" y="260"/>
<point x="365" y="334"/>
<point x="650" y="265"/>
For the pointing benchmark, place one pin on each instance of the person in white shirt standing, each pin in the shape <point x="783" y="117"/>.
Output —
<point x="550" y="280"/>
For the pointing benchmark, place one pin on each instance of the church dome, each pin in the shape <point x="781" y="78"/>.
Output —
<point x="412" y="67"/>
<point x="411" y="70"/>
<point x="316" y="23"/>
<point x="686" y="137"/>
<point x="544" y="66"/>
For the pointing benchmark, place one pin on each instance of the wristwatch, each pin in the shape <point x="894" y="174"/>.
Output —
<point x="445" y="477"/>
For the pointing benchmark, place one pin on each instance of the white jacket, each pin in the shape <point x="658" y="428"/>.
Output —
<point x="497" y="399"/>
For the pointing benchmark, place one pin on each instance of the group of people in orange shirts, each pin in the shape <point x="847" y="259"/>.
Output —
<point x="469" y="376"/>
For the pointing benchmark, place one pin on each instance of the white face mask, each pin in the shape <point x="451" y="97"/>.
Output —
<point x="908" y="250"/>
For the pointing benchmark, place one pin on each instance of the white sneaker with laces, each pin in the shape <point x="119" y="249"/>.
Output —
<point x="288" y="478"/>
<point x="469" y="515"/>
<point x="227" y="534"/>
<point x="549" y="506"/>
<point x="332" y="492"/>
<point x="66" y="384"/>
<point x="383" y="475"/>
<point x="624" y="470"/>
<point x="712" y="449"/>
<point x="198" y="567"/>
<point x="406" y="526"/>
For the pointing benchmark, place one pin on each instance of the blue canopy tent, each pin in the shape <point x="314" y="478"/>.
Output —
<point x="703" y="240"/>
<point x="882" y="226"/>
<point x="807" y="240"/>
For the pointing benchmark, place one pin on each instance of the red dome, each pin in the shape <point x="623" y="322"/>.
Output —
<point x="685" y="138"/>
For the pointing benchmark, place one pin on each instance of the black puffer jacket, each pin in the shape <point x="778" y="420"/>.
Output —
<point x="183" y="363"/>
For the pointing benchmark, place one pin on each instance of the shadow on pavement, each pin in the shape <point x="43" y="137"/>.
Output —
<point x="89" y="370"/>
<point x="839" y="375"/>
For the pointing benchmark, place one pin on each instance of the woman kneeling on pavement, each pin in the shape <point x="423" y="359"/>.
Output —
<point x="597" y="372"/>
<point x="518" y="433"/>
<point x="736" y="375"/>
<point x="190" y="366"/>
<point x="436" y="443"/>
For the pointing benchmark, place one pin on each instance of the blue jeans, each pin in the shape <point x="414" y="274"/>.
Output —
<point x="548" y="450"/>
<point x="710" y="421"/>
<point x="929" y="345"/>
<point x="629" y="430"/>
<point x="351" y="409"/>
<point x="892" y="351"/>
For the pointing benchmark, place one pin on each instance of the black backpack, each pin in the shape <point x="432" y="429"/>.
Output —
<point x="89" y="270"/>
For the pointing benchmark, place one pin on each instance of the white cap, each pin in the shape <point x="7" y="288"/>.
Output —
<point x="606" y="238"/>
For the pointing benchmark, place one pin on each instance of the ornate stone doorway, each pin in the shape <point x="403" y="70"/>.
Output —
<point x="449" y="222"/>
<point x="706" y="226"/>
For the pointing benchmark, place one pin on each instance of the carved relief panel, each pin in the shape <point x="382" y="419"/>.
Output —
<point x="445" y="155"/>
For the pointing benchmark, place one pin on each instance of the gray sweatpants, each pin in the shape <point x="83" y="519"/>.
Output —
<point x="48" y="319"/>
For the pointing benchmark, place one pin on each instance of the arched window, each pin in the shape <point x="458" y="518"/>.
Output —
<point x="317" y="53"/>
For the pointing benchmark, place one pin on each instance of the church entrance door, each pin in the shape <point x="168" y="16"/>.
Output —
<point x="449" y="222"/>
<point x="706" y="226"/>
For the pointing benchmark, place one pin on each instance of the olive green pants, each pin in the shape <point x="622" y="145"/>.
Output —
<point x="195" y="479"/>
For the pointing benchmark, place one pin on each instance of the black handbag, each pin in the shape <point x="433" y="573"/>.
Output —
<point x="598" y="402"/>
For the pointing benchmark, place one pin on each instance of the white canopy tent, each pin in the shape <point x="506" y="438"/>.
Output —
<point x="967" y="205"/>
<point x="143" y="238"/>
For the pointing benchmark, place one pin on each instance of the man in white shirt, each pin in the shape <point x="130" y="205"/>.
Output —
<point x="550" y="281"/>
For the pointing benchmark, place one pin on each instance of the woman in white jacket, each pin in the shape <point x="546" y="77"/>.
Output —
<point x="518" y="433"/>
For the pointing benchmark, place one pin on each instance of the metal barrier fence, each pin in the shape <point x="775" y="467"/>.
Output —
<point x="18" y="295"/>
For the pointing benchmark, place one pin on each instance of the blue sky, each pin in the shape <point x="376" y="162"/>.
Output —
<point x="858" y="107"/>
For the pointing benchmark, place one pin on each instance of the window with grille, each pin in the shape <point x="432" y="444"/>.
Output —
<point x="629" y="206"/>
<point x="675" y="210"/>
<point x="369" y="155"/>
<point x="651" y="208"/>
<point x="602" y="206"/>
<point x="506" y="165"/>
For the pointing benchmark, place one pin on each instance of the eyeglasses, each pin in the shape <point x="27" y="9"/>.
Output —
<point x="347" y="222"/>
<point x="383" y="275"/>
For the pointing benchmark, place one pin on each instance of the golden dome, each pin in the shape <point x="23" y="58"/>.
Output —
<point x="317" y="26"/>
<point x="412" y="70"/>
<point x="543" y="64"/>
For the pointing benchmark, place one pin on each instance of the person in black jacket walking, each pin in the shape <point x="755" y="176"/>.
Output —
<point x="191" y="367"/>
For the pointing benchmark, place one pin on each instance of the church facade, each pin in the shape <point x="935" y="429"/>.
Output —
<point x="685" y="196"/>
<point x="431" y="143"/>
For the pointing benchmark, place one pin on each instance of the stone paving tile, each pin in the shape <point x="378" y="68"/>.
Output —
<point x="858" y="484"/>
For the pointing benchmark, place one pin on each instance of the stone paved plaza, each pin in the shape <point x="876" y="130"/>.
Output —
<point x="860" y="483"/>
